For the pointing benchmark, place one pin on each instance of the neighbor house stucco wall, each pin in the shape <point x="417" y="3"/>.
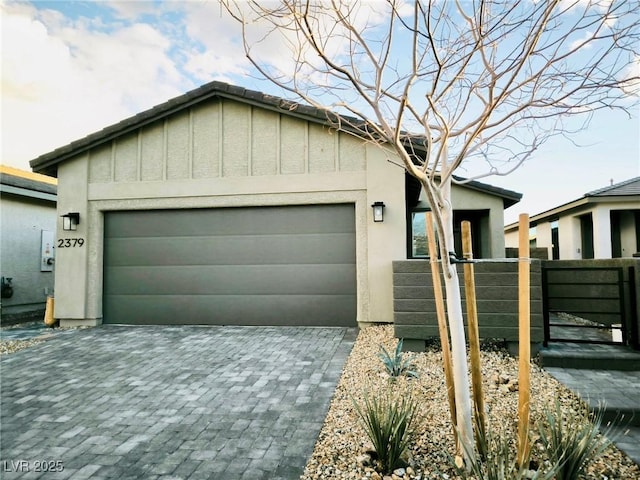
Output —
<point x="229" y="154"/>
<point x="628" y="230"/>
<point x="23" y="219"/>
<point x="570" y="233"/>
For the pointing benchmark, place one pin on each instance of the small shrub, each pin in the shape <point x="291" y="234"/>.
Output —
<point x="396" y="365"/>
<point x="387" y="419"/>
<point x="571" y="439"/>
<point x="499" y="462"/>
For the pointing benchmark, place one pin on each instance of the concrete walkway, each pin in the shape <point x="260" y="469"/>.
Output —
<point x="618" y="391"/>
<point x="169" y="402"/>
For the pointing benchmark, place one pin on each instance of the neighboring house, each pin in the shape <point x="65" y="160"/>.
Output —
<point x="27" y="243"/>
<point x="602" y="224"/>
<point x="229" y="206"/>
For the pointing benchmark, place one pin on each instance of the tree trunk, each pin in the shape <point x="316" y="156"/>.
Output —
<point x="456" y="328"/>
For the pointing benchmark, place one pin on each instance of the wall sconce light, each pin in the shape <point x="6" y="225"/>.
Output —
<point x="378" y="211"/>
<point x="70" y="221"/>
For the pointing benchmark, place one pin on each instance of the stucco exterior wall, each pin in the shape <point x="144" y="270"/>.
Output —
<point x="511" y="239"/>
<point x="466" y="199"/>
<point x="628" y="234"/>
<point x="570" y="235"/>
<point x="569" y="238"/>
<point x="23" y="220"/>
<point x="544" y="238"/>
<point x="228" y="154"/>
<point x="463" y="198"/>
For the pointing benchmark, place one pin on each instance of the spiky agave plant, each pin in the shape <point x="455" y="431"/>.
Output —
<point x="395" y="364"/>
<point x="388" y="418"/>
<point x="499" y="461"/>
<point x="572" y="438"/>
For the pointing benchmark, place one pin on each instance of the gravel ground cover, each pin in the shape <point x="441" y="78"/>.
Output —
<point x="340" y="452"/>
<point x="11" y="346"/>
<point x="35" y="335"/>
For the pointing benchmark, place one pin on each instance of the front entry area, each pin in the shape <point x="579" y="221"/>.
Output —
<point x="285" y="265"/>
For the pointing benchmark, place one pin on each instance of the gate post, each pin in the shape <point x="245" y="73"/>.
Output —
<point x="545" y="304"/>
<point x="634" y="319"/>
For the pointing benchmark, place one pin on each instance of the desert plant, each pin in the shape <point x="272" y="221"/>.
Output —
<point x="571" y="438"/>
<point x="499" y="461"/>
<point x="395" y="364"/>
<point x="387" y="418"/>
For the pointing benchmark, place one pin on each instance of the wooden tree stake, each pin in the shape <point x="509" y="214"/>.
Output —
<point x="524" y="340"/>
<point x="442" y="323"/>
<point x="474" y="339"/>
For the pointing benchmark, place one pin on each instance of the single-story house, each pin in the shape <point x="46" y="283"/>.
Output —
<point x="230" y="206"/>
<point x="27" y="234"/>
<point x="604" y="223"/>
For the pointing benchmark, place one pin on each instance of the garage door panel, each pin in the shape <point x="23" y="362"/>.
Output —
<point x="231" y="279"/>
<point x="304" y="310"/>
<point x="241" y="250"/>
<point x="244" y="266"/>
<point x="243" y="221"/>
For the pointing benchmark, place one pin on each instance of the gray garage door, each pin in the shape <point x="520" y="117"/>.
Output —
<point x="231" y="266"/>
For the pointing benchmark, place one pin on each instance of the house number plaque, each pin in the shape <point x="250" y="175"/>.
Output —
<point x="70" y="242"/>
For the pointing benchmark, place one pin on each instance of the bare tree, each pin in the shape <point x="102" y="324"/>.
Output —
<point x="448" y="85"/>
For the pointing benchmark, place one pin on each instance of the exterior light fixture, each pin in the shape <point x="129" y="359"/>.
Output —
<point x="70" y="221"/>
<point x="378" y="211"/>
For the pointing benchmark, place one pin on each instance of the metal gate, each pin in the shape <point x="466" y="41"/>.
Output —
<point x="584" y="305"/>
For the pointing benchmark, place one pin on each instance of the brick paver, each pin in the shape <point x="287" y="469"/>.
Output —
<point x="168" y="402"/>
<point x="617" y="391"/>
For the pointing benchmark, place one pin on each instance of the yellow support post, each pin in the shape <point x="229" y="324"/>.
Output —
<point x="474" y="339"/>
<point x="524" y="339"/>
<point x="49" y="321"/>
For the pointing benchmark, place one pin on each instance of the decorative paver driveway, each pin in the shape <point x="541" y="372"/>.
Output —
<point x="169" y="402"/>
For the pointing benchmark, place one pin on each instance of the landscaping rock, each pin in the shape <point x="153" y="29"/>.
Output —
<point x="342" y="442"/>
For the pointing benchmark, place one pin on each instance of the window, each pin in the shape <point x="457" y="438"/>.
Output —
<point x="417" y="246"/>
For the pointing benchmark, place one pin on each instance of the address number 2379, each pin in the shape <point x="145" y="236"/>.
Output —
<point x="70" y="242"/>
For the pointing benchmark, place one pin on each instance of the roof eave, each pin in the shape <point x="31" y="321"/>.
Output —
<point x="553" y="213"/>
<point x="509" y="197"/>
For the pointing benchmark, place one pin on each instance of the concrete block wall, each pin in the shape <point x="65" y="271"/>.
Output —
<point x="497" y="300"/>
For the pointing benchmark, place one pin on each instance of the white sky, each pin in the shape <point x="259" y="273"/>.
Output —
<point x="72" y="68"/>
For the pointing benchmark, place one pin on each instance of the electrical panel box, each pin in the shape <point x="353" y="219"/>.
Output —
<point x="47" y="246"/>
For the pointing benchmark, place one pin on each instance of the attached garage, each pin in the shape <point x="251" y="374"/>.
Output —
<point x="226" y="206"/>
<point x="285" y="265"/>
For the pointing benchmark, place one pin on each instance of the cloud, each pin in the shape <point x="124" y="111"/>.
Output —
<point x="64" y="78"/>
<point x="216" y="51"/>
<point x="74" y="67"/>
<point x="630" y="82"/>
<point x="584" y="42"/>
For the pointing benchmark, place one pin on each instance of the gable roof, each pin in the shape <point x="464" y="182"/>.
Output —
<point x="48" y="163"/>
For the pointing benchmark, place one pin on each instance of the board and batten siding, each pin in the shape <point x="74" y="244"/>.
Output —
<point x="225" y="139"/>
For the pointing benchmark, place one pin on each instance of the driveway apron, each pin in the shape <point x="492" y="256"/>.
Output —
<point x="169" y="402"/>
